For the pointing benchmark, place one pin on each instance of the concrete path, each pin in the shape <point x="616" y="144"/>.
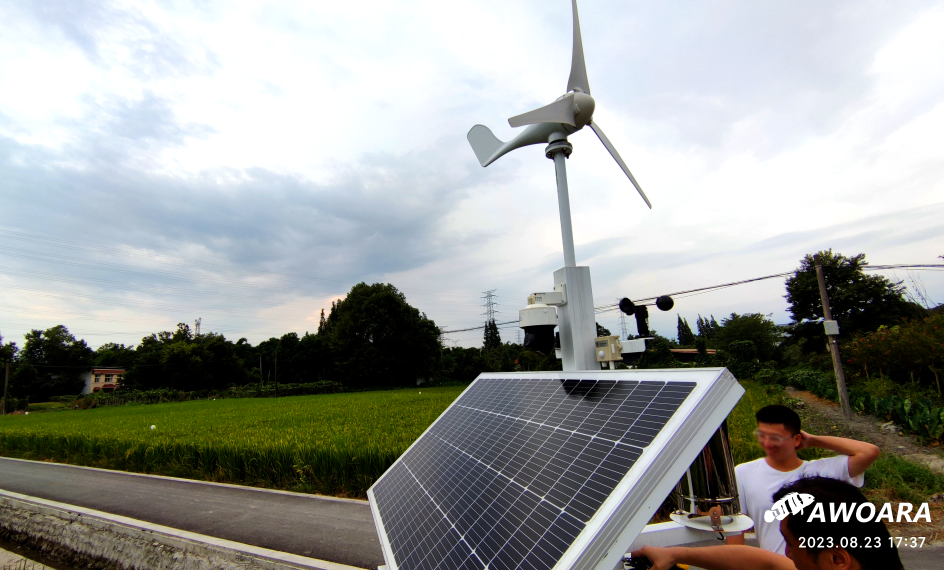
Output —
<point x="336" y="530"/>
<point x="8" y="558"/>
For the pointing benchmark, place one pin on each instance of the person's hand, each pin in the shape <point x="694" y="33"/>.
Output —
<point x="806" y="440"/>
<point x="661" y="558"/>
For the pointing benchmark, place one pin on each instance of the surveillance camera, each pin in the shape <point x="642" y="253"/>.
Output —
<point x="538" y="321"/>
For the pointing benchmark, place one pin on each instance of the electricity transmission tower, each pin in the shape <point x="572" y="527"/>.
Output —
<point x="197" y="326"/>
<point x="623" y="332"/>
<point x="490" y="304"/>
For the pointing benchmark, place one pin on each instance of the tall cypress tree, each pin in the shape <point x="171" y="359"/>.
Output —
<point x="686" y="337"/>
<point x="707" y="328"/>
<point x="492" y="338"/>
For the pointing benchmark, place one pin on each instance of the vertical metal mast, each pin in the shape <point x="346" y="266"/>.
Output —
<point x="558" y="151"/>
<point x="576" y="318"/>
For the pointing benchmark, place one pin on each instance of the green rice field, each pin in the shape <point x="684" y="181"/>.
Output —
<point x="333" y="444"/>
<point x="336" y="444"/>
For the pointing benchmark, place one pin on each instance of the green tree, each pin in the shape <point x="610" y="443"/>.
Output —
<point x="50" y="364"/>
<point x="754" y="327"/>
<point x="603" y="331"/>
<point x="658" y="354"/>
<point x="492" y="338"/>
<point x="376" y="338"/>
<point x="113" y="354"/>
<point x="860" y="303"/>
<point x="8" y="351"/>
<point x="707" y="328"/>
<point x="743" y="359"/>
<point x="181" y="361"/>
<point x="686" y="338"/>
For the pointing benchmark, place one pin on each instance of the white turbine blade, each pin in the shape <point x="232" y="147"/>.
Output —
<point x="561" y="111"/>
<point x="609" y="146"/>
<point x="578" y="68"/>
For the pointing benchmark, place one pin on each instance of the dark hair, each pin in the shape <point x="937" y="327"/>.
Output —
<point x="883" y="556"/>
<point x="779" y="415"/>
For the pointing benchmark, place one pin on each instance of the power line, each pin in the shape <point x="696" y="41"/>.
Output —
<point x="480" y="327"/>
<point x="682" y="294"/>
<point x="607" y="308"/>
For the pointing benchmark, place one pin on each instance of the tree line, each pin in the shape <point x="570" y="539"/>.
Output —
<point x="371" y="338"/>
<point x="374" y="338"/>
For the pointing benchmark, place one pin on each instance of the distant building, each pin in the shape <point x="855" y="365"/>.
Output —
<point x="102" y="380"/>
<point x="689" y="354"/>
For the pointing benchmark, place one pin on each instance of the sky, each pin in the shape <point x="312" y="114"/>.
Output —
<point x="247" y="163"/>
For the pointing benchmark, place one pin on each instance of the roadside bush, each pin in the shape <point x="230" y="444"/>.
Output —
<point x="767" y="376"/>
<point x="919" y="416"/>
<point x="743" y="355"/>
<point x="909" y="354"/>
<point x="16" y="404"/>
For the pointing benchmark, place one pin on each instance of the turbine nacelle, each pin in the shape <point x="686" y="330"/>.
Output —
<point x="574" y="109"/>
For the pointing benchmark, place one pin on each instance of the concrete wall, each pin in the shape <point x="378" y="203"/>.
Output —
<point x="92" y="539"/>
<point x="87" y="376"/>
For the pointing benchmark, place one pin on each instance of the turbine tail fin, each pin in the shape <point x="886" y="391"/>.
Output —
<point x="483" y="142"/>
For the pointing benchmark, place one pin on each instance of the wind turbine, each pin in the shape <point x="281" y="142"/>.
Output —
<point x="552" y="124"/>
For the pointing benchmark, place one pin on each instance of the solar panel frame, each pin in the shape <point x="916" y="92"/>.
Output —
<point x="628" y="507"/>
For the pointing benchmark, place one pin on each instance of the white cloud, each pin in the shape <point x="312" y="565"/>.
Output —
<point x="328" y="141"/>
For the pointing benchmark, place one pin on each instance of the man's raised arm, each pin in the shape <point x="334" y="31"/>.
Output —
<point x="861" y="454"/>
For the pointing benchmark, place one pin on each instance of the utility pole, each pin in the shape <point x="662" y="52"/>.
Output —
<point x="276" y="373"/>
<point x="832" y="331"/>
<point x="6" y="383"/>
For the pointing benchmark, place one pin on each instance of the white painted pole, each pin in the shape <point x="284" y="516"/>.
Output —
<point x="563" y="202"/>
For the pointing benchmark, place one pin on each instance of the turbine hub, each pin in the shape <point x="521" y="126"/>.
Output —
<point x="583" y="109"/>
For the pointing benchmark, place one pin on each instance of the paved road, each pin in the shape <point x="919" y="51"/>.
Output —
<point x="336" y="530"/>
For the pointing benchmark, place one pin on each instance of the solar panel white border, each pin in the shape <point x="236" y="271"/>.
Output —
<point x="622" y="516"/>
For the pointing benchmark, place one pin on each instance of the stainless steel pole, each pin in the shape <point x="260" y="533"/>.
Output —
<point x="559" y="151"/>
<point x="576" y="318"/>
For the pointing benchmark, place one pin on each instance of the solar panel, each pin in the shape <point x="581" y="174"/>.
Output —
<point x="546" y="470"/>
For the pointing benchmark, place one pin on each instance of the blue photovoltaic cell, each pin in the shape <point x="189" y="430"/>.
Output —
<point x="513" y="471"/>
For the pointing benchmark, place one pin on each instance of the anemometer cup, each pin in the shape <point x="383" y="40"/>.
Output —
<point x="538" y="321"/>
<point x="627" y="306"/>
<point x="665" y="303"/>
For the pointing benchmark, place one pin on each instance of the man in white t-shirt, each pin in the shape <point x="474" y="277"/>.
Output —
<point x="778" y="432"/>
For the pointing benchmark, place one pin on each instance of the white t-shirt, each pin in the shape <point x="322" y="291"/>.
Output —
<point x="757" y="482"/>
